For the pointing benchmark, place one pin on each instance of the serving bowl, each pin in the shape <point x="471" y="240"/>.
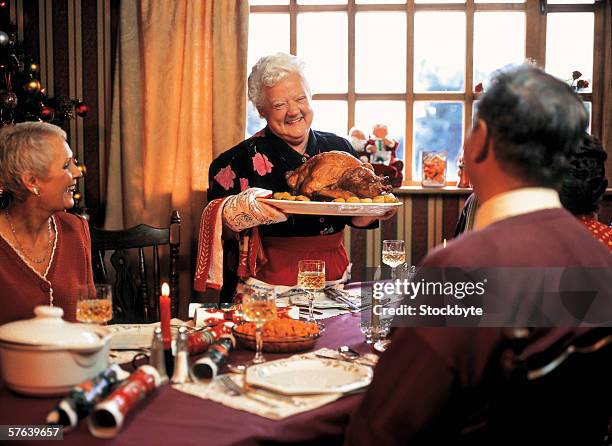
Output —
<point x="283" y="344"/>
<point x="47" y="356"/>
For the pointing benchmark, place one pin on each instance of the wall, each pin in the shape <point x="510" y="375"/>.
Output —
<point x="74" y="42"/>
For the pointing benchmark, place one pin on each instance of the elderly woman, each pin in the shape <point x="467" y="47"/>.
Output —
<point x="44" y="251"/>
<point x="257" y="166"/>
<point x="583" y="187"/>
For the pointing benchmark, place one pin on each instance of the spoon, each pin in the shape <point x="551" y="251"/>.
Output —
<point x="348" y="353"/>
<point x="237" y="368"/>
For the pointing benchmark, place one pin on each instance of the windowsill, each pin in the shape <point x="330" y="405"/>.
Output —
<point x="420" y="190"/>
<point x="446" y="190"/>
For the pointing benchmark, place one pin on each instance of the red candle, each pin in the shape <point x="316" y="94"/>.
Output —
<point x="164" y="313"/>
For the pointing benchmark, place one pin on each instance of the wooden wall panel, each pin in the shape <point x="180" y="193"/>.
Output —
<point x="89" y="89"/>
<point x="75" y="61"/>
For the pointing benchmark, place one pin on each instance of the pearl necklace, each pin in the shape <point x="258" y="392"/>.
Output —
<point x="20" y="246"/>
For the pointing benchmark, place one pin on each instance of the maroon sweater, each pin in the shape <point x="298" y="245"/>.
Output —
<point x="430" y="378"/>
<point x="22" y="289"/>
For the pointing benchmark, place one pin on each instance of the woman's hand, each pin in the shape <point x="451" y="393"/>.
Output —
<point x="362" y="222"/>
<point x="243" y="211"/>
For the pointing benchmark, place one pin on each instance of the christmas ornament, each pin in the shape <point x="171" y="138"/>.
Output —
<point x="34" y="67"/>
<point x="81" y="109"/>
<point x="47" y="113"/>
<point x="4" y="38"/>
<point x="33" y="86"/>
<point x="9" y="100"/>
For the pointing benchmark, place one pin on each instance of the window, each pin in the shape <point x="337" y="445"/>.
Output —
<point x="414" y="64"/>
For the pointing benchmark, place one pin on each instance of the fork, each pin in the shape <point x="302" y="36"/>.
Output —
<point x="236" y="390"/>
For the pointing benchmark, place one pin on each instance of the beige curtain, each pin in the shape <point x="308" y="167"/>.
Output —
<point x="179" y="96"/>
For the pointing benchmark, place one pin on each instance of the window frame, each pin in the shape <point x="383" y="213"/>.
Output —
<point x="535" y="49"/>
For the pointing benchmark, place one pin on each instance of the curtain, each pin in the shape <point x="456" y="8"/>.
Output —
<point x="179" y="97"/>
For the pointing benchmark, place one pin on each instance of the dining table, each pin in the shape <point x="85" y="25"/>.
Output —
<point x="170" y="417"/>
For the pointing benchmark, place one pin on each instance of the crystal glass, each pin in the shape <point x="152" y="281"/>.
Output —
<point x="311" y="278"/>
<point x="382" y="327"/>
<point x="259" y="306"/>
<point x="393" y="254"/>
<point x="95" y="304"/>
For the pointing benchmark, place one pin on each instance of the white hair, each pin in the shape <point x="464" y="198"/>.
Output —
<point x="25" y="147"/>
<point x="269" y="70"/>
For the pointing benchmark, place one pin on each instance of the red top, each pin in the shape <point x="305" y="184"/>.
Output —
<point x="600" y="231"/>
<point x="22" y="288"/>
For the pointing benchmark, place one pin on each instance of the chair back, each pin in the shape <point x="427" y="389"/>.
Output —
<point x="135" y="297"/>
<point x="555" y="389"/>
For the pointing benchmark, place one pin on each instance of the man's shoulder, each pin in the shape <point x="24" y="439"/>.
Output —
<point x="544" y="238"/>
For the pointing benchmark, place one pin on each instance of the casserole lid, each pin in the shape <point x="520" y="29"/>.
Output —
<point x="48" y="329"/>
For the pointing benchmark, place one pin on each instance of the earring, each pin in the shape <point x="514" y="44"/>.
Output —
<point x="36" y="192"/>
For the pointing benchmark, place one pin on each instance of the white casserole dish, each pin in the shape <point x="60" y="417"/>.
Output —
<point x="47" y="356"/>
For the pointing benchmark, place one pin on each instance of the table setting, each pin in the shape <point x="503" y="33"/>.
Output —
<point x="282" y="357"/>
<point x="284" y="406"/>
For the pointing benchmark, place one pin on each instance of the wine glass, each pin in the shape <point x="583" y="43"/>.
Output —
<point x="393" y="254"/>
<point x="95" y="304"/>
<point x="259" y="306"/>
<point x="311" y="278"/>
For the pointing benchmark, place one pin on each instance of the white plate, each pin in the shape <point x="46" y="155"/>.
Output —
<point x="331" y="208"/>
<point x="308" y="376"/>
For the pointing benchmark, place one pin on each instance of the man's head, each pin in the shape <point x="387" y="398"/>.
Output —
<point x="527" y="126"/>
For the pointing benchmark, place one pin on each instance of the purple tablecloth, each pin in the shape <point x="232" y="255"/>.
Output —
<point x="171" y="417"/>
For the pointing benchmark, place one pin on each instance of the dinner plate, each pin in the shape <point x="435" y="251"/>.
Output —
<point x="309" y="376"/>
<point x="331" y="208"/>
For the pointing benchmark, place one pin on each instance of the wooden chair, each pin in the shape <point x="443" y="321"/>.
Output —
<point x="558" y="392"/>
<point x="133" y="299"/>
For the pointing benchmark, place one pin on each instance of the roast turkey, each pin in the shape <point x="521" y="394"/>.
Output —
<point x="336" y="174"/>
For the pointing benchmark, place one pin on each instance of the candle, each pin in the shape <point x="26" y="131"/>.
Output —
<point x="444" y="243"/>
<point x="164" y="313"/>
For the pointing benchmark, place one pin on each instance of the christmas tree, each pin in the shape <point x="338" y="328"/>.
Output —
<point x="22" y="97"/>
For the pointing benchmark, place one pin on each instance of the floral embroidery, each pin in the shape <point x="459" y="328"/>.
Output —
<point x="261" y="164"/>
<point x="244" y="184"/>
<point x="225" y="177"/>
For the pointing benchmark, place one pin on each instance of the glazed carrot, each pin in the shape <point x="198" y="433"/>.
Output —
<point x="281" y="328"/>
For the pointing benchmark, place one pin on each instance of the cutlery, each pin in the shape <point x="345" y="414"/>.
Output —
<point x="347" y="352"/>
<point x="291" y="292"/>
<point x="235" y="390"/>
<point x="304" y="310"/>
<point x="360" y="361"/>
<point x="252" y="393"/>
<point x="326" y="307"/>
<point x="338" y="297"/>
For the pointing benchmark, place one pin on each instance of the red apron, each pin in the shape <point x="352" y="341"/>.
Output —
<point x="283" y="254"/>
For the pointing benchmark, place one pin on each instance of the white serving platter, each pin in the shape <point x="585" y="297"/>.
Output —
<point x="331" y="208"/>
